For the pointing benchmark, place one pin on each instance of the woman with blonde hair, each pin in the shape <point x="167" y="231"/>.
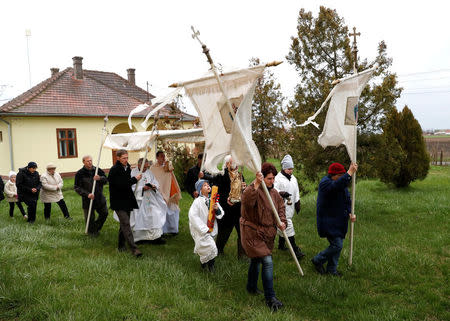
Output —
<point x="51" y="192"/>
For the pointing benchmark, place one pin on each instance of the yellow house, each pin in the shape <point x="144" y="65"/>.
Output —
<point x="61" y="119"/>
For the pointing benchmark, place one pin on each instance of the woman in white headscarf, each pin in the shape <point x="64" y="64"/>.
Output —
<point x="11" y="195"/>
<point x="51" y="192"/>
<point x="287" y="186"/>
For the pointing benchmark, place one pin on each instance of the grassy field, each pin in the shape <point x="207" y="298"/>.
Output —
<point x="51" y="271"/>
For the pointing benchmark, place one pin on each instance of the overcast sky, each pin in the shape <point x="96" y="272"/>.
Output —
<point x="155" y="38"/>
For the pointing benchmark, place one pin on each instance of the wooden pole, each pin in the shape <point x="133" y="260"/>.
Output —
<point x="105" y="121"/>
<point x="266" y="191"/>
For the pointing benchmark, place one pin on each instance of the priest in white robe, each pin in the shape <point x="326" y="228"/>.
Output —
<point x="286" y="184"/>
<point x="170" y="191"/>
<point x="147" y="222"/>
<point x="205" y="246"/>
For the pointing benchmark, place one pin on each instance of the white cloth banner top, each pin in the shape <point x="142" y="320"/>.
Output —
<point x="342" y="115"/>
<point x="141" y="140"/>
<point x="218" y="121"/>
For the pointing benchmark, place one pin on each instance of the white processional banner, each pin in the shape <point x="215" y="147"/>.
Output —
<point x="216" y="118"/>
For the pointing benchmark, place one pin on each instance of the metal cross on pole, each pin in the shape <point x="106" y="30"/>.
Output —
<point x="355" y="48"/>
<point x="355" y="71"/>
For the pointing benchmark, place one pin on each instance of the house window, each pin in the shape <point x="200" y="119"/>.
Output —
<point x="67" y="142"/>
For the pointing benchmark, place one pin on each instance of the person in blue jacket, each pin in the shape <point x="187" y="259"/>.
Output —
<point x="333" y="212"/>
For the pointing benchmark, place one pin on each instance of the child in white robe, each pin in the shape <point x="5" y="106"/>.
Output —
<point x="205" y="246"/>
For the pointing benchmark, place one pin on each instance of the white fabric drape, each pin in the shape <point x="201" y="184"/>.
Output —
<point x="214" y="112"/>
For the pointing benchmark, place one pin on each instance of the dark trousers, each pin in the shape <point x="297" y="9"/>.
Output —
<point x="62" y="205"/>
<point x="125" y="233"/>
<point x="266" y="275"/>
<point x="31" y="210"/>
<point x="95" y="225"/>
<point x="11" y="208"/>
<point x="225" y="229"/>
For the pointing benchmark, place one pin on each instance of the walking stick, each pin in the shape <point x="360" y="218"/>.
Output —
<point x="104" y="130"/>
<point x="352" y="224"/>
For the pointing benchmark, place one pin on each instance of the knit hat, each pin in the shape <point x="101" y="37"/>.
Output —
<point x="287" y="162"/>
<point x="12" y="173"/>
<point x="51" y="165"/>
<point x="199" y="185"/>
<point x="336" y="169"/>
<point x="32" y="165"/>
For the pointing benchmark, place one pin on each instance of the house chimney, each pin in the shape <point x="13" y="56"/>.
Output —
<point x="54" y="71"/>
<point x="131" y="76"/>
<point x="78" y="67"/>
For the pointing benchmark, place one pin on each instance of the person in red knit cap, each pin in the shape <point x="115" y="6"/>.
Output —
<point x="333" y="212"/>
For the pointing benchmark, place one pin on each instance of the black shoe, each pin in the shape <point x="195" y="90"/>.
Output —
<point x="136" y="253"/>
<point x="68" y="218"/>
<point x="158" y="241"/>
<point x="211" y="266"/>
<point x="122" y="249"/>
<point x="255" y="292"/>
<point x="336" y="273"/>
<point x="274" y="304"/>
<point x="298" y="253"/>
<point x="94" y="234"/>
<point x="319" y="267"/>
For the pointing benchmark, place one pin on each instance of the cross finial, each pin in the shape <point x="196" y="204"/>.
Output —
<point x="355" y="47"/>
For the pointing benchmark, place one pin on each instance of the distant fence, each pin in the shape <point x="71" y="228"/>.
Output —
<point x="439" y="150"/>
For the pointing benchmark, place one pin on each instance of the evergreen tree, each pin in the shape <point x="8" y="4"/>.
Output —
<point x="267" y="116"/>
<point x="404" y="157"/>
<point x="321" y="53"/>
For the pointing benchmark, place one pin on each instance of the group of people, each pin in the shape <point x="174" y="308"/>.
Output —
<point x="248" y="210"/>
<point x="27" y="185"/>
<point x="145" y="202"/>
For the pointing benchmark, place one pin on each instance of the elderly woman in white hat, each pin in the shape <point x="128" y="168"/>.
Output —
<point x="51" y="192"/>
<point x="12" y="197"/>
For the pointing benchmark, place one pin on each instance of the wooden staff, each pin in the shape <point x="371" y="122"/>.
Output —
<point x="104" y="130"/>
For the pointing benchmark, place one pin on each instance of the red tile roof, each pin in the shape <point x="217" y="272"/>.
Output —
<point x="97" y="94"/>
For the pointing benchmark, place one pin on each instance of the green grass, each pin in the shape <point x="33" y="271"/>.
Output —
<point x="52" y="271"/>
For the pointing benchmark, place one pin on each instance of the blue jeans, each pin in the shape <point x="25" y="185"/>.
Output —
<point x="331" y="254"/>
<point x="266" y="275"/>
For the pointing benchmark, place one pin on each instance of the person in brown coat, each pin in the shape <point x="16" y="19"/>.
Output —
<point x="258" y="230"/>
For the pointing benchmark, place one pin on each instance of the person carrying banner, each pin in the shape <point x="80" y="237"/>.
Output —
<point x="84" y="180"/>
<point x="333" y="213"/>
<point x="287" y="186"/>
<point x="122" y="199"/>
<point x="203" y="237"/>
<point x="258" y="231"/>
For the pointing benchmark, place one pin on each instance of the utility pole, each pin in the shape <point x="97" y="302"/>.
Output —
<point x="28" y="35"/>
<point x="355" y="49"/>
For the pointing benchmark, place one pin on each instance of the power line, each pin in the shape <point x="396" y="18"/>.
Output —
<point x="409" y="80"/>
<point x="425" y="92"/>
<point x="423" y="72"/>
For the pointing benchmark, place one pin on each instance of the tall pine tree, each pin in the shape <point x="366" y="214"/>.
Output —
<point x="403" y="157"/>
<point x="321" y="52"/>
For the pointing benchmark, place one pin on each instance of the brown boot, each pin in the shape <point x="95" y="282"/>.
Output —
<point x="137" y="253"/>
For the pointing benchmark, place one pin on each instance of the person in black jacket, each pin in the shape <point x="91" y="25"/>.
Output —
<point x="231" y="207"/>
<point x="28" y="185"/>
<point x="333" y="213"/>
<point x="193" y="175"/>
<point x="122" y="199"/>
<point x="2" y="187"/>
<point x="84" y="180"/>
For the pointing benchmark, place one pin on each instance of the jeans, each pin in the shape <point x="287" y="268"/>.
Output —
<point x="266" y="275"/>
<point x="62" y="205"/>
<point x="331" y="254"/>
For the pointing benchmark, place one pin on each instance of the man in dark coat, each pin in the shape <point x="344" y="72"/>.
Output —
<point x="193" y="175"/>
<point x="232" y="208"/>
<point x="84" y="180"/>
<point x="2" y="187"/>
<point x="122" y="199"/>
<point x="258" y="231"/>
<point x="333" y="212"/>
<point x="28" y="185"/>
